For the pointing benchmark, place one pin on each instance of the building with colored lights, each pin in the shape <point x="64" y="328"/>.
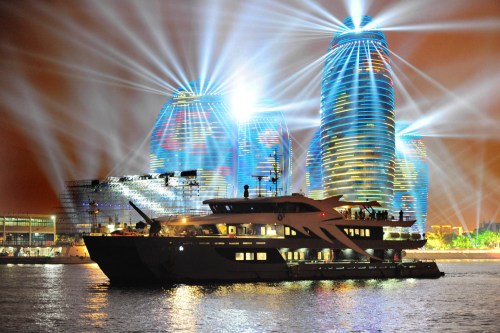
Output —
<point x="198" y="151"/>
<point x="314" y="175"/>
<point x="411" y="177"/>
<point x="264" y="152"/>
<point x="194" y="131"/>
<point x="357" y="116"/>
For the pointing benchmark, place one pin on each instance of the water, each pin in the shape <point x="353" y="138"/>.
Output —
<point x="78" y="298"/>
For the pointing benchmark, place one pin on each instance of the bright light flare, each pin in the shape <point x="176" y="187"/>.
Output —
<point x="243" y="102"/>
<point x="356" y="10"/>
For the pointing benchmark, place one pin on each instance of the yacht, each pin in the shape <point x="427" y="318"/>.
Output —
<point x="264" y="239"/>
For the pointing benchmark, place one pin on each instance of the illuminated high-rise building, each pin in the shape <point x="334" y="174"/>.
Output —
<point x="264" y="150"/>
<point x="357" y="115"/>
<point x="411" y="178"/>
<point x="194" y="131"/>
<point x="314" y="175"/>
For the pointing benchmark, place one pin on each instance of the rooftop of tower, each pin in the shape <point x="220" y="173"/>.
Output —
<point x="358" y="30"/>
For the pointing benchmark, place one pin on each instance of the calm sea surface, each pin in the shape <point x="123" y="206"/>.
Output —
<point x="78" y="298"/>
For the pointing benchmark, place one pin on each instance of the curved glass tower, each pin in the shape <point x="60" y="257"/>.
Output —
<point x="314" y="174"/>
<point x="264" y="147"/>
<point x="194" y="131"/>
<point x="411" y="178"/>
<point x="357" y="116"/>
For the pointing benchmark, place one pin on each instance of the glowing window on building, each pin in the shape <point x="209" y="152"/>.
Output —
<point x="261" y="256"/>
<point x="239" y="256"/>
<point x="367" y="232"/>
<point x="249" y="256"/>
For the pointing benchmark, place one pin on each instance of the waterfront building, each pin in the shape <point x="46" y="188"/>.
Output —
<point x="27" y="234"/>
<point x="411" y="177"/>
<point x="264" y="155"/>
<point x="194" y="131"/>
<point x="357" y="115"/>
<point x="314" y="175"/>
<point x="27" y="229"/>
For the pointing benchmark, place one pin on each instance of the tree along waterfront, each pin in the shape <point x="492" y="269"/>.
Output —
<point x="485" y="239"/>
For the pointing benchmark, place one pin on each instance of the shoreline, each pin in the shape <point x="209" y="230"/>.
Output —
<point x="453" y="254"/>
<point x="410" y="254"/>
<point x="44" y="260"/>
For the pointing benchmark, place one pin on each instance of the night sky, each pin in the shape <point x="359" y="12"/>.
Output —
<point x="82" y="83"/>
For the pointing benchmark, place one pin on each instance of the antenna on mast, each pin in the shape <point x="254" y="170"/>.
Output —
<point x="275" y="171"/>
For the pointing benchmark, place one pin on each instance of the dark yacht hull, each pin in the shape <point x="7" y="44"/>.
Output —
<point x="193" y="260"/>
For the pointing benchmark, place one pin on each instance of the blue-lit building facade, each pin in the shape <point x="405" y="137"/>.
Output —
<point x="264" y="151"/>
<point x="314" y="174"/>
<point x="411" y="178"/>
<point x="194" y="131"/>
<point x="198" y="151"/>
<point x="357" y="116"/>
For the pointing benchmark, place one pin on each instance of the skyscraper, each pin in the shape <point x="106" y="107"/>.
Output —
<point x="263" y="147"/>
<point x="194" y="131"/>
<point x="411" y="178"/>
<point x="357" y="115"/>
<point x="314" y="174"/>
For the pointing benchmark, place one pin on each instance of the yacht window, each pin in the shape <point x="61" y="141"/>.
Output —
<point x="367" y="232"/>
<point x="346" y="231"/>
<point x="249" y="256"/>
<point x="319" y="255"/>
<point x="302" y="255"/>
<point x="356" y="232"/>
<point x="261" y="256"/>
<point x="239" y="256"/>
<point x="271" y="232"/>
<point x="362" y="232"/>
<point x="289" y="255"/>
<point x="289" y="231"/>
<point x="295" y="256"/>
<point x="351" y="232"/>
<point x="263" y="230"/>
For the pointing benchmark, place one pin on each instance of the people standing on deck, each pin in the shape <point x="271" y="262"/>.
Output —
<point x="401" y="215"/>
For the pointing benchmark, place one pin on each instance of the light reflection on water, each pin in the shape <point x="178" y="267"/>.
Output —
<point x="78" y="298"/>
